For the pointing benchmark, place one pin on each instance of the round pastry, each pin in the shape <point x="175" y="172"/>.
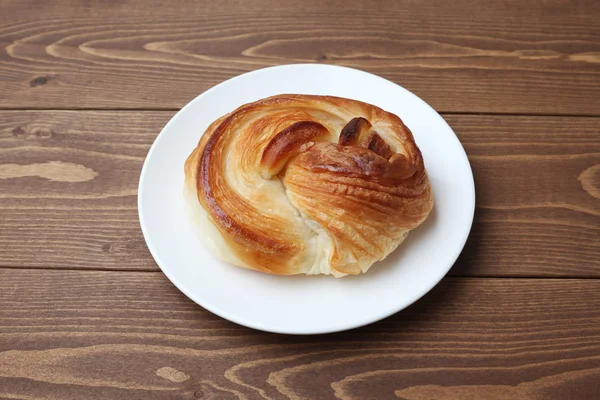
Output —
<point x="299" y="184"/>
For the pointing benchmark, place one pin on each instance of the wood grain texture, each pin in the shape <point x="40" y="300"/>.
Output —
<point x="90" y="220"/>
<point x="68" y="185"/>
<point x="537" y="184"/>
<point x="81" y="334"/>
<point x="488" y="56"/>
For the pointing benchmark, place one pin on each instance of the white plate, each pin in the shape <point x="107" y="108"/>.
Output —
<point x="306" y="304"/>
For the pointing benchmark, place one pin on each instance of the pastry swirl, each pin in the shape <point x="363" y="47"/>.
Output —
<point x="301" y="184"/>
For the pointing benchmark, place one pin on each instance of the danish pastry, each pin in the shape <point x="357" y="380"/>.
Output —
<point x="302" y="184"/>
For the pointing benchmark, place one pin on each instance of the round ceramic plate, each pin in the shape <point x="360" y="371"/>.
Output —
<point x="305" y="304"/>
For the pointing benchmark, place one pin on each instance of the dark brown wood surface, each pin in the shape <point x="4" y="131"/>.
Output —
<point x="85" y="87"/>
<point x="89" y="334"/>
<point x="486" y="56"/>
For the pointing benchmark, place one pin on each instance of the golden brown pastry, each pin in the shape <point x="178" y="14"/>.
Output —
<point x="298" y="184"/>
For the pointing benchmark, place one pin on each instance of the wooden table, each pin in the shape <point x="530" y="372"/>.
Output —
<point x="85" y="87"/>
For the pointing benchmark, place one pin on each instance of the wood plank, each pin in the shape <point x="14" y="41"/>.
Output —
<point x="501" y="57"/>
<point x="76" y="201"/>
<point x="537" y="185"/>
<point x="82" y="334"/>
<point x="72" y="193"/>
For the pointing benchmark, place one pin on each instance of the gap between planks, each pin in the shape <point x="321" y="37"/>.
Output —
<point x="175" y="109"/>
<point x="157" y="271"/>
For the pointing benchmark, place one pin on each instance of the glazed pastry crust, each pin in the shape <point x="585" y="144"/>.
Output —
<point x="301" y="184"/>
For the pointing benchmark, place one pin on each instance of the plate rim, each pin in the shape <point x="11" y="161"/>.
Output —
<point x="371" y="318"/>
